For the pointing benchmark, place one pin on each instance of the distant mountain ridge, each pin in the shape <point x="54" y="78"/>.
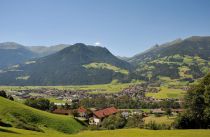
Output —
<point x="67" y="67"/>
<point x="42" y="51"/>
<point x="12" y="53"/>
<point x="10" y="45"/>
<point x="189" y="46"/>
<point x="177" y="61"/>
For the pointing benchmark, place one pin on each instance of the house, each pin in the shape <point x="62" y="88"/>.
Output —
<point x="99" y="115"/>
<point x="125" y="114"/>
<point x="59" y="104"/>
<point x="62" y="111"/>
<point x="82" y="112"/>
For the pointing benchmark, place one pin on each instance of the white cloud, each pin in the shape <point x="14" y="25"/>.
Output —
<point x="97" y="44"/>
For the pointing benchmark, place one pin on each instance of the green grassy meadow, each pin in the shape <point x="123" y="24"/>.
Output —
<point x="24" y="117"/>
<point x="12" y="132"/>
<point x="100" y="88"/>
<point x="106" y="66"/>
<point x="166" y="92"/>
<point x="159" y="120"/>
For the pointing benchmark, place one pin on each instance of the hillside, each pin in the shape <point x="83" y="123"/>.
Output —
<point x="11" y="132"/>
<point x="24" y="117"/>
<point x="12" y="53"/>
<point x="42" y="51"/>
<point x="177" y="62"/>
<point x="69" y="66"/>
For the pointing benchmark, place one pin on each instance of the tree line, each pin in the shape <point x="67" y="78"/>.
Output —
<point x="126" y="102"/>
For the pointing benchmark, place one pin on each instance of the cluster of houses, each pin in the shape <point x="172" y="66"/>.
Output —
<point x="138" y="91"/>
<point x="93" y="116"/>
<point x="70" y="94"/>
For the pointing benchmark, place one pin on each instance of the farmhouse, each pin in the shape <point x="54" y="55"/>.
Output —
<point x="82" y="112"/>
<point x="99" y="115"/>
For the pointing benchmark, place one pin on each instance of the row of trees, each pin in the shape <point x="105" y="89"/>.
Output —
<point x="126" y="102"/>
<point x="40" y="103"/>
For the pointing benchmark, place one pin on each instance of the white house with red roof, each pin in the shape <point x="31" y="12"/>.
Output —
<point x="82" y="112"/>
<point x="99" y="115"/>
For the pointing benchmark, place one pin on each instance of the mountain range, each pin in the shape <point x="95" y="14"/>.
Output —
<point x="181" y="61"/>
<point x="76" y="64"/>
<point x="12" y="53"/>
<point x="177" y="62"/>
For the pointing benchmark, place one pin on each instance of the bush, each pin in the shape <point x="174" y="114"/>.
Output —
<point x="10" y="98"/>
<point x="154" y="126"/>
<point x="93" y="127"/>
<point x="135" y="121"/>
<point x="3" y="94"/>
<point x="41" y="103"/>
<point x="114" y="122"/>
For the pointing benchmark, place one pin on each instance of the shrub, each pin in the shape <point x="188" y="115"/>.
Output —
<point x="135" y="121"/>
<point x="41" y="103"/>
<point x="3" y="94"/>
<point x="114" y="122"/>
<point x="10" y="98"/>
<point x="155" y="126"/>
<point x="93" y="127"/>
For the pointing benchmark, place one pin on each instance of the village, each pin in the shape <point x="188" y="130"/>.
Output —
<point x="65" y="101"/>
<point x="68" y="96"/>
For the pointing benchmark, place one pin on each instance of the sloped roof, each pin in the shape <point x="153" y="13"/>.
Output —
<point x="105" y="112"/>
<point x="81" y="110"/>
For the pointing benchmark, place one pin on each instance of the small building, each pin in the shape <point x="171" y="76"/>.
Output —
<point x="125" y="114"/>
<point x="82" y="112"/>
<point x="99" y="115"/>
<point x="59" y="104"/>
<point x="62" y="111"/>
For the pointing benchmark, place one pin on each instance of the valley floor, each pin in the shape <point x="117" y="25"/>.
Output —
<point x="12" y="132"/>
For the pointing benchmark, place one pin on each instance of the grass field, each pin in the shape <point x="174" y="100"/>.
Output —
<point x="159" y="120"/>
<point x="53" y="125"/>
<point x="100" y="88"/>
<point x="167" y="93"/>
<point x="106" y="66"/>
<point x="21" y="116"/>
<point x="11" y="132"/>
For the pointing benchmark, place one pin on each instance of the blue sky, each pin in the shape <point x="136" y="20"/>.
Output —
<point x="125" y="27"/>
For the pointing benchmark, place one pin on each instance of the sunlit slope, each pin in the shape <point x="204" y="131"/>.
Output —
<point x="21" y="116"/>
<point x="110" y="133"/>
